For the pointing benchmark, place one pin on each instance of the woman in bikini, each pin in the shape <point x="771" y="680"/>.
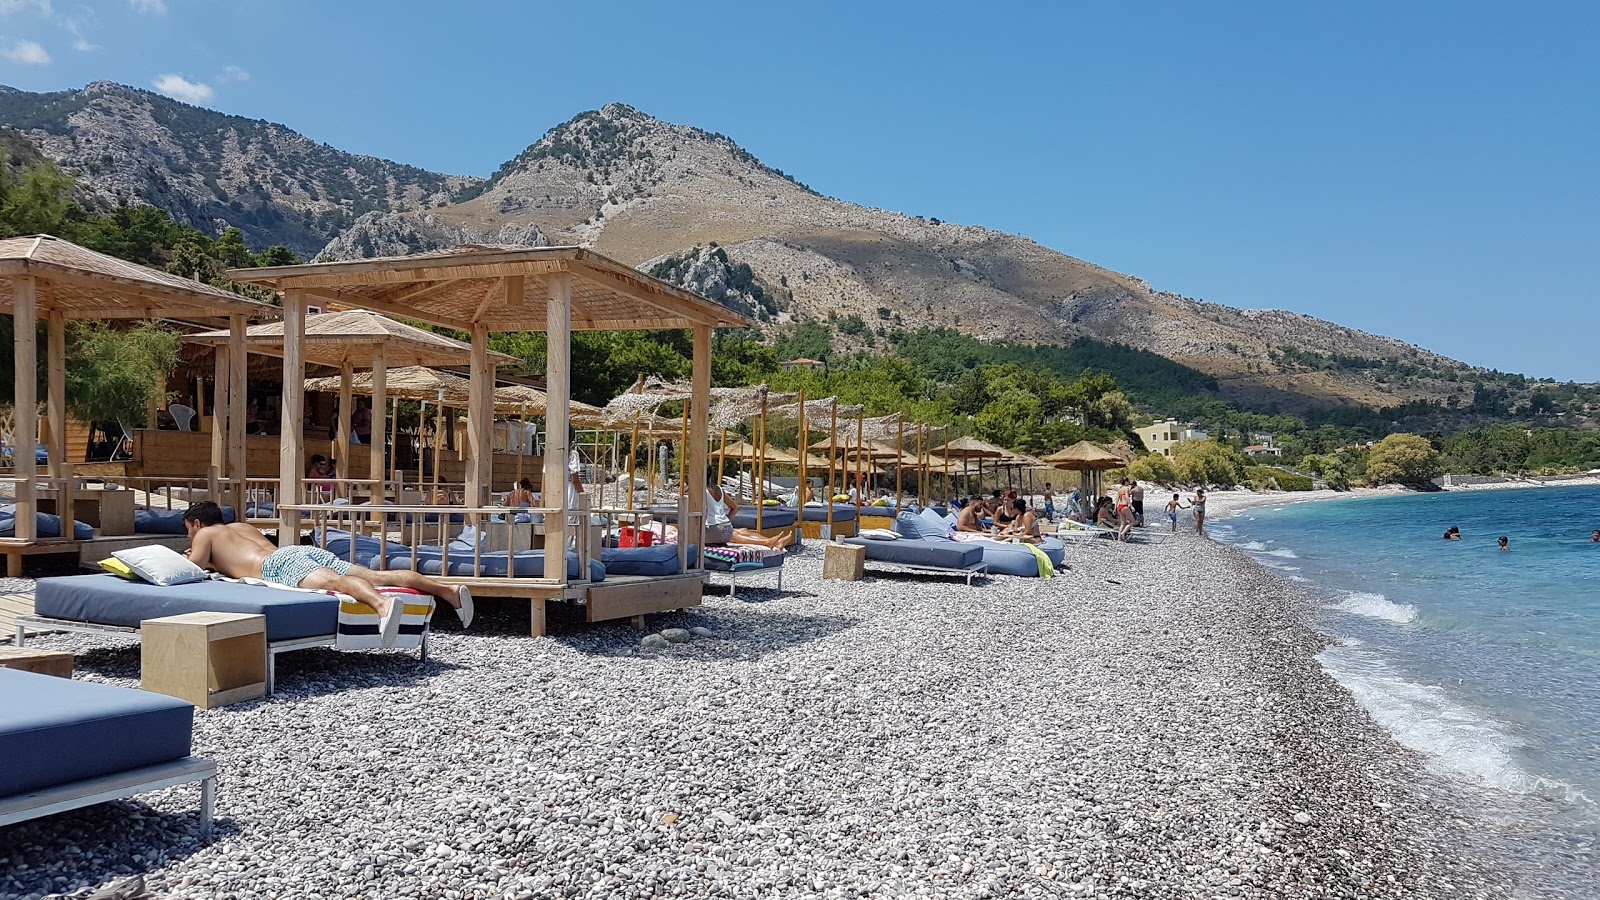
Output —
<point x="1198" y="501"/>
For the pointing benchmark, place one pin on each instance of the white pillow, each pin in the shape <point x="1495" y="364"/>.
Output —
<point x="161" y="565"/>
<point x="879" y="534"/>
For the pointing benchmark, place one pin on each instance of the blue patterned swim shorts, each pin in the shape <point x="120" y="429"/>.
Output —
<point x="289" y="566"/>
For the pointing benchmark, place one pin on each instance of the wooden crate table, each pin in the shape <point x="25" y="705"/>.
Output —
<point x="109" y="511"/>
<point x="844" y="562"/>
<point x="45" y="662"/>
<point x="210" y="659"/>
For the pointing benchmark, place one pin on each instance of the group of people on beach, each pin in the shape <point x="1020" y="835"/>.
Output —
<point x="1004" y="515"/>
<point x="1123" y="509"/>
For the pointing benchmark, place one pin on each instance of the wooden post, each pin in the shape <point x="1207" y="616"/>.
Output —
<point x="758" y="466"/>
<point x="522" y="440"/>
<point x="380" y="417"/>
<point x="216" y="478"/>
<point x="558" y="387"/>
<point x="899" y="464"/>
<point x="347" y="375"/>
<point x="833" y="451"/>
<point x="291" y="427"/>
<point x="699" y="422"/>
<point x="803" y="450"/>
<point x="922" y="471"/>
<point x="683" y="457"/>
<point x="861" y="471"/>
<point x="56" y="398"/>
<point x="633" y="457"/>
<point x="480" y="418"/>
<point x="25" y="428"/>
<point x="238" y="398"/>
<point x="438" y="442"/>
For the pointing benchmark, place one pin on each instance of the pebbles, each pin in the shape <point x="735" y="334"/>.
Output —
<point x="894" y="736"/>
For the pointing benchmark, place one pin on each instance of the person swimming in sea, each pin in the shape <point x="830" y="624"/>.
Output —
<point x="1452" y="533"/>
<point x="1594" y="536"/>
<point x="1505" y="543"/>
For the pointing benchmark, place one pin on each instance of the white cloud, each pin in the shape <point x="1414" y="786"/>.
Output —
<point x="231" y="73"/>
<point x="27" y="53"/>
<point x="12" y="7"/>
<point x="79" y="42"/>
<point x="180" y="88"/>
<point x="151" y="7"/>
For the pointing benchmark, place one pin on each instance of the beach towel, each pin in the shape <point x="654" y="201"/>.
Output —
<point x="1046" y="567"/>
<point x="741" y="555"/>
<point x="360" y="626"/>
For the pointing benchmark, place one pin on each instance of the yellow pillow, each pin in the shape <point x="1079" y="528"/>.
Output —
<point x="118" y="567"/>
<point x="769" y="503"/>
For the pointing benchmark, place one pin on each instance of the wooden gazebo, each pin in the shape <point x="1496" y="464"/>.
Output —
<point x="46" y="277"/>
<point x="484" y="289"/>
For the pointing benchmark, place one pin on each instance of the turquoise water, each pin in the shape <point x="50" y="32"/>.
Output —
<point x="1486" y="662"/>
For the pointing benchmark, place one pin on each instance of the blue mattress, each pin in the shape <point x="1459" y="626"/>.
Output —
<point x="45" y="525"/>
<point x="109" y="600"/>
<point x="771" y="517"/>
<point x="909" y="552"/>
<point x="657" y="559"/>
<point x="337" y="542"/>
<point x="528" y="564"/>
<point x="1015" y="559"/>
<point x="56" y="731"/>
<point x="166" y="521"/>
<point x="842" y="512"/>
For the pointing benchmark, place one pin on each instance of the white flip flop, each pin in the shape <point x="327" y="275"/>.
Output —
<point x="466" y="611"/>
<point x="391" y="620"/>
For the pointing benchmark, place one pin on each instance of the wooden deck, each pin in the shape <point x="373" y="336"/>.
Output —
<point x="11" y="607"/>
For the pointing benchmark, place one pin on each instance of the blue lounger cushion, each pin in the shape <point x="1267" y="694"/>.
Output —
<point x="109" y="600"/>
<point x="842" y="512"/>
<point x="528" y="564"/>
<point x="771" y="517"/>
<point x="56" y="731"/>
<point x="166" y="521"/>
<point x="45" y="525"/>
<point x="337" y="542"/>
<point x="1015" y="559"/>
<point x="913" y="552"/>
<point x="657" y="559"/>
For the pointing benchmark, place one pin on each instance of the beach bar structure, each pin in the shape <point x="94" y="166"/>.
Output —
<point x="44" y="277"/>
<point x="357" y="339"/>
<point x="482" y="290"/>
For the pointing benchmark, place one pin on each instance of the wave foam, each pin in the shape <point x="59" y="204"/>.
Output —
<point x="1456" y="740"/>
<point x="1377" y="606"/>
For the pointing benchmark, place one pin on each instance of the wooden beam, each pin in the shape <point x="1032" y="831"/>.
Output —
<point x="380" y="418"/>
<point x="416" y="292"/>
<point x="480" y="419"/>
<point x="699" y="420"/>
<point x="291" y="459"/>
<point x="238" y="399"/>
<point x="56" y="392"/>
<point x="558" y="389"/>
<point x="347" y="374"/>
<point x="216" y="476"/>
<point x="25" y="415"/>
<point x="485" y="264"/>
<point x="398" y="310"/>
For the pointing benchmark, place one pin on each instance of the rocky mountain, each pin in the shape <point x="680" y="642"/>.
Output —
<point x="695" y="207"/>
<point x="212" y="170"/>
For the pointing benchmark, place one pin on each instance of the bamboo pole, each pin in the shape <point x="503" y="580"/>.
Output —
<point x="802" y="441"/>
<point x="633" y="457"/>
<point x="378" y="408"/>
<point x="683" y="456"/>
<point x="438" y="442"/>
<point x="899" y="466"/>
<point x="861" y="427"/>
<point x="347" y="374"/>
<point x="833" y="450"/>
<point x="238" y="399"/>
<point x="759" y="464"/>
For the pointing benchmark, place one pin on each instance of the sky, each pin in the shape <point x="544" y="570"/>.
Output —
<point x="1425" y="170"/>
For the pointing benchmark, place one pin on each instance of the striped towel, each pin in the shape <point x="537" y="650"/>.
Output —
<point x="740" y="554"/>
<point x="360" y="627"/>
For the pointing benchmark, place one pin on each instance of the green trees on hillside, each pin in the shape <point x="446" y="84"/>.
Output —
<point x="1403" y="459"/>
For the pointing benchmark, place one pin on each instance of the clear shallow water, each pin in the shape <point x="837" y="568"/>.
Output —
<point x="1488" y="663"/>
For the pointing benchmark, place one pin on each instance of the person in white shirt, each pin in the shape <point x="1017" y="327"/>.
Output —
<point x="720" y="507"/>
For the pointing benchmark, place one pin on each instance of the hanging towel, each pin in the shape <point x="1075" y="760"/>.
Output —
<point x="1046" y="568"/>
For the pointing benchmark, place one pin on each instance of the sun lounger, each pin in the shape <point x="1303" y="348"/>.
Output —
<point x="430" y="560"/>
<point x="655" y="560"/>
<point x="743" y="560"/>
<point x="295" y="620"/>
<point x="45" y="525"/>
<point x="67" y="744"/>
<point x="934" y="557"/>
<point x="771" y="517"/>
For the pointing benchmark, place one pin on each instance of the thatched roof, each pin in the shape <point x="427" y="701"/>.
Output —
<point x="503" y="288"/>
<point x="1084" y="456"/>
<point x="354" y="336"/>
<point x="971" y="448"/>
<point x="86" y="284"/>
<point x="407" y="383"/>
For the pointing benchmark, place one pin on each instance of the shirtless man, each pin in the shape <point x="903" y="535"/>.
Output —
<point x="240" y="551"/>
<point x="970" y="518"/>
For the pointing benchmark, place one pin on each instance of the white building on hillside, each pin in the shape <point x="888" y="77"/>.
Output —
<point x="1160" y="437"/>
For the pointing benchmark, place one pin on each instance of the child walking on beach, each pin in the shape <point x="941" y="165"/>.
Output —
<point x="1172" y="512"/>
<point x="1049" y="503"/>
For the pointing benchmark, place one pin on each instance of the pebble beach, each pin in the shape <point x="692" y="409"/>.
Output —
<point x="1151" y="723"/>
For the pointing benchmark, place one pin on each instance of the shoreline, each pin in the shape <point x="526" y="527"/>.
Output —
<point x="1153" y="722"/>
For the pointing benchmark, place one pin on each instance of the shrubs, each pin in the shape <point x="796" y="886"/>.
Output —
<point x="1207" y="462"/>
<point x="1403" y="459"/>
<point x="1153" y="467"/>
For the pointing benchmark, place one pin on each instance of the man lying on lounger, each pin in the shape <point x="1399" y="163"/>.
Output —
<point x="240" y="551"/>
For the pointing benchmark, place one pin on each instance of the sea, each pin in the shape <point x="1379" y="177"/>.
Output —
<point x="1485" y="662"/>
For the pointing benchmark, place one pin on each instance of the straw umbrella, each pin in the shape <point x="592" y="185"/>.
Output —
<point x="1085" y="456"/>
<point x="970" y="448"/>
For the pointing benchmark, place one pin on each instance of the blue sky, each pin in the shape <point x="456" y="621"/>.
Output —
<point x="1427" y="170"/>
